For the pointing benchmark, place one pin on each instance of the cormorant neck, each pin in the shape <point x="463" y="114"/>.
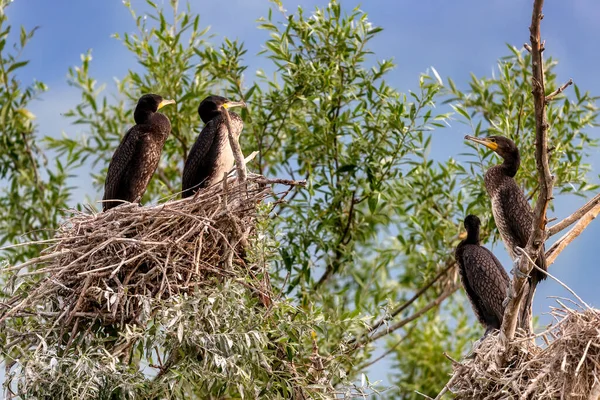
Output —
<point x="142" y="116"/>
<point x="209" y="116"/>
<point x="472" y="236"/>
<point x="511" y="164"/>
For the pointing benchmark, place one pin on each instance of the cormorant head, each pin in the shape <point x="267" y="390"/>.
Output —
<point x="472" y="224"/>
<point x="212" y="106"/>
<point x="148" y="104"/>
<point x="503" y="146"/>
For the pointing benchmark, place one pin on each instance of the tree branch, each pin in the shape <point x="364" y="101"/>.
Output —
<point x="432" y="304"/>
<point x="558" y="91"/>
<point x="575" y="231"/>
<point x="237" y="151"/>
<point x="554" y="229"/>
<point x="407" y="303"/>
<point x="538" y="234"/>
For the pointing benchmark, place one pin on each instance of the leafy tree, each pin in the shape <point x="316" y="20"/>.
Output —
<point x="33" y="192"/>
<point x="371" y="237"/>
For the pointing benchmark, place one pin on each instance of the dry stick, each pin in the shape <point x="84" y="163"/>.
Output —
<point x="432" y="304"/>
<point x="554" y="229"/>
<point x="575" y="231"/>
<point x="387" y="352"/>
<point x="407" y="303"/>
<point x="538" y="234"/>
<point x="595" y="392"/>
<point x="237" y="151"/>
<point x="558" y="91"/>
<point x="555" y="278"/>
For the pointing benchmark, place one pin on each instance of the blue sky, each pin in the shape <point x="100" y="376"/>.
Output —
<point x="457" y="37"/>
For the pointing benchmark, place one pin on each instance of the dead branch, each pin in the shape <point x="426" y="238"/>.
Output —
<point x="575" y="231"/>
<point x="431" y="305"/>
<point x="407" y="303"/>
<point x="558" y="91"/>
<point x="235" y="147"/>
<point x="554" y="229"/>
<point x="538" y="235"/>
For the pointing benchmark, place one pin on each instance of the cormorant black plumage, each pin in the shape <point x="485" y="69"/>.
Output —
<point x="211" y="156"/>
<point x="483" y="277"/>
<point x="135" y="160"/>
<point x="512" y="212"/>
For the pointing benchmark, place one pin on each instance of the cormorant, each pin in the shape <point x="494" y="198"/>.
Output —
<point x="211" y="156"/>
<point x="138" y="154"/>
<point x="512" y="212"/>
<point x="485" y="280"/>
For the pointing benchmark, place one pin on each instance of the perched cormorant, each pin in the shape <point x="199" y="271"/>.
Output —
<point x="211" y="155"/>
<point x="138" y="154"/>
<point x="485" y="280"/>
<point x="512" y="212"/>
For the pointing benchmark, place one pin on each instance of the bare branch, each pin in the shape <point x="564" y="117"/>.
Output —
<point x="557" y="280"/>
<point x="407" y="303"/>
<point x="575" y="231"/>
<point x="558" y="91"/>
<point x="538" y="233"/>
<point x="235" y="147"/>
<point x="432" y="304"/>
<point x="554" y="229"/>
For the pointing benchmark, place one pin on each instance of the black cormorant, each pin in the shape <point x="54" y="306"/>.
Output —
<point x="138" y="154"/>
<point x="512" y="212"/>
<point x="485" y="280"/>
<point x="211" y="156"/>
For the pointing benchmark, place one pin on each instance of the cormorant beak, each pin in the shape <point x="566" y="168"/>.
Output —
<point x="164" y="103"/>
<point x="486" y="142"/>
<point x="231" y="104"/>
<point x="462" y="235"/>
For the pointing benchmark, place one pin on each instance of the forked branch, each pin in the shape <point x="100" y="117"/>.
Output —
<point x="575" y="231"/>
<point x="538" y="235"/>
<point x="577" y="215"/>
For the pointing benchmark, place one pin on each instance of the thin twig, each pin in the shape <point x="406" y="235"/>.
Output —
<point x="432" y="304"/>
<point x="407" y="303"/>
<point x="553" y="277"/>
<point x="558" y="91"/>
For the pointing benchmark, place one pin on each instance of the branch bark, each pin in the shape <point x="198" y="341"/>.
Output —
<point x="240" y="165"/>
<point x="538" y="234"/>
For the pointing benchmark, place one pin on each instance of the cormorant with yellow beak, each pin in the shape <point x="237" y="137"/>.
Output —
<point x="211" y="156"/>
<point x="135" y="160"/>
<point x="512" y="212"/>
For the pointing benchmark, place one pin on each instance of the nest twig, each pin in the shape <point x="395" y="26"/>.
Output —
<point x="103" y="267"/>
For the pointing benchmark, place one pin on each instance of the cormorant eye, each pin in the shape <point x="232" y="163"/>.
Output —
<point x="493" y="140"/>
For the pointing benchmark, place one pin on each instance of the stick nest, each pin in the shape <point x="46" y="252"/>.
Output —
<point x="105" y="266"/>
<point x="567" y="368"/>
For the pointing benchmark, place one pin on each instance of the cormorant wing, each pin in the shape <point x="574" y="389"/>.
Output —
<point x="198" y="154"/>
<point x="517" y="212"/>
<point x="119" y="164"/>
<point x="487" y="278"/>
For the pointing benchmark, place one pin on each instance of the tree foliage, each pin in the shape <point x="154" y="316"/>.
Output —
<point x="33" y="191"/>
<point x="378" y="220"/>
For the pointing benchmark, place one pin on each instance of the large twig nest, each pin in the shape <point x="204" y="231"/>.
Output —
<point x="567" y="368"/>
<point x="104" y="267"/>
